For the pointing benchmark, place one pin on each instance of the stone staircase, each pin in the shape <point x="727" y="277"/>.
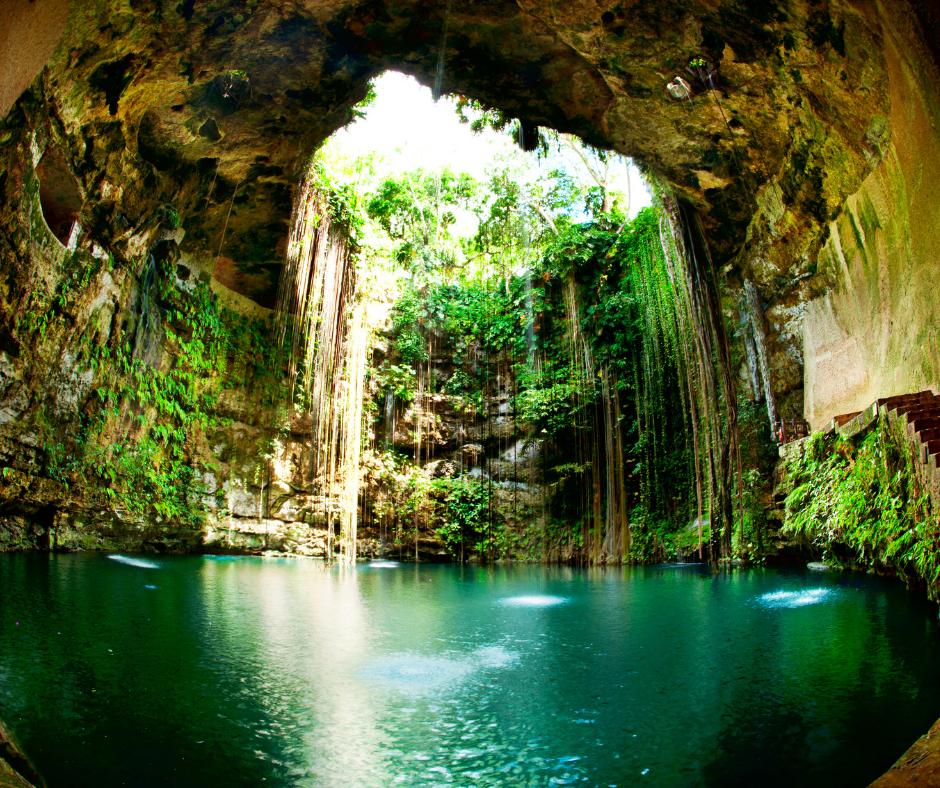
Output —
<point x="917" y="415"/>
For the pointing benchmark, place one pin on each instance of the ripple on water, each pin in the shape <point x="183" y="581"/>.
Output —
<point x="533" y="600"/>
<point x="809" y="596"/>
<point x="416" y="674"/>
<point x="383" y="564"/>
<point x="496" y="657"/>
<point x="123" y="559"/>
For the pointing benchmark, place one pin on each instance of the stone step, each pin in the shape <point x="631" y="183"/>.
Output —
<point x="892" y="404"/>
<point x="920" y="419"/>
<point x="929" y="448"/>
<point x="929" y="434"/>
<point x="899" y="399"/>
<point x="913" y="408"/>
<point x="919" y="423"/>
<point x="910" y="414"/>
<point x="844" y="418"/>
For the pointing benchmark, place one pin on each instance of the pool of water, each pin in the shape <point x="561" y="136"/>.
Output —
<point x="196" y="671"/>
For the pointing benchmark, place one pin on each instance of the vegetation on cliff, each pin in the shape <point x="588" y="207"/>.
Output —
<point x="862" y="501"/>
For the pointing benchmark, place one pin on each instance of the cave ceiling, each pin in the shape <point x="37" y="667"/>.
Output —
<point x="211" y="109"/>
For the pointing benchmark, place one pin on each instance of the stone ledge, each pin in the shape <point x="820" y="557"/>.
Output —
<point x="919" y="766"/>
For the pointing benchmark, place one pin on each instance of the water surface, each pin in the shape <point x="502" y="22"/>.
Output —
<point x="195" y="671"/>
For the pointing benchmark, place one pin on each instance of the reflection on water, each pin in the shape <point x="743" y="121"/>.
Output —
<point x="418" y="674"/>
<point x="250" y="671"/>
<point x="414" y="673"/>
<point x="533" y="600"/>
<point x="811" y="596"/>
<point x="123" y="559"/>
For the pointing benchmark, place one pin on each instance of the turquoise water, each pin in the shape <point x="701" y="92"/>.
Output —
<point x="202" y="671"/>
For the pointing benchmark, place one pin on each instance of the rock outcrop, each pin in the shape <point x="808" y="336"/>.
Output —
<point x="176" y="132"/>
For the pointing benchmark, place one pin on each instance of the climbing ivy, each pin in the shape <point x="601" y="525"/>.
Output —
<point x="136" y="438"/>
<point x="862" y="501"/>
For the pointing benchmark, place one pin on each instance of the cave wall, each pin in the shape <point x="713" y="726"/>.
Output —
<point x="29" y="33"/>
<point x="876" y="333"/>
<point x="190" y="123"/>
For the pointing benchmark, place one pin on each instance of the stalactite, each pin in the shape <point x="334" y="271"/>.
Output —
<point x="756" y="310"/>
<point x="747" y="337"/>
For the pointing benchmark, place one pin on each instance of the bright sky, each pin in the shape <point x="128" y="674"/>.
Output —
<point x="407" y="130"/>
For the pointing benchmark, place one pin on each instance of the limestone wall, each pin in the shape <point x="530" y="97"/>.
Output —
<point x="877" y="333"/>
<point x="29" y="32"/>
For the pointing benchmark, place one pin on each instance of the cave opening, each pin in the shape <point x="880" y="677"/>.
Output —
<point x="530" y="437"/>
<point x="445" y="232"/>
<point x="59" y="194"/>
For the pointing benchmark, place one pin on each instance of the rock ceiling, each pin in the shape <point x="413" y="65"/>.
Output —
<point x="212" y="109"/>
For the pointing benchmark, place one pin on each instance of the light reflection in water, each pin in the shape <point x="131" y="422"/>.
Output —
<point x="533" y="600"/>
<point x="809" y="596"/>
<point x="288" y="674"/>
<point x="141" y="564"/>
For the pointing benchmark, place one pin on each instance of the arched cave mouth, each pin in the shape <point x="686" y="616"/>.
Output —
<point x="786" y="140"/>
<point x="704" y="138"/>
<point x="59" y="193"/>
<point x="398" y="141"/>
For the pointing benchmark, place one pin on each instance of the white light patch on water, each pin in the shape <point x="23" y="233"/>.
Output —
<point x="810" y="596"/>
<point x="151" y="587"/>
<point x="415" y="674"/>
<point x="496" y="657"/>
<point x="123" y="559"/>
<point x="534" y="600"/>
<point x="383" y="565"/>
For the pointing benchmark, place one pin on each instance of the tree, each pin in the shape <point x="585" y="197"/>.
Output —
<point x="415" y="210"/>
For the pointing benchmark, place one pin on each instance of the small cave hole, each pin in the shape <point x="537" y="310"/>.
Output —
<point x="182" y="272"/>
<point x="679" y="89"/>
<point x="210" y="130"/>
<point x="59" y="195"/>
<point x="186" y="9"/>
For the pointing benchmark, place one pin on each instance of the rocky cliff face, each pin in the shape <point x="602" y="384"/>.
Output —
<point x="175" y="133"/>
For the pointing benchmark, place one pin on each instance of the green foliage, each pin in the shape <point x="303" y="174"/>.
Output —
<point x="461" y="513"/>
<point x="862" y="500"/>
<point x="359" y="110"/>
<point x="406" y="319"/>
<point x="401" y="380"/>
<point x="479" y="115"/>
<point x="627" y="318"/>
<point x="458" y="384"/>
<point x="551" y="408"/>
<point x="416" y="210"/>
<point x="135" y="438"/>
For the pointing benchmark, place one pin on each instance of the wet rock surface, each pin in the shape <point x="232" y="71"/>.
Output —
<point x="14" y="765"/>
<point x="158" y="129"/>
<point x="919" y="766"/>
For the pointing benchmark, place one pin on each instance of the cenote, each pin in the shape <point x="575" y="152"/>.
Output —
<point x="191" y="671"/>
<point x="444" y="392"/>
